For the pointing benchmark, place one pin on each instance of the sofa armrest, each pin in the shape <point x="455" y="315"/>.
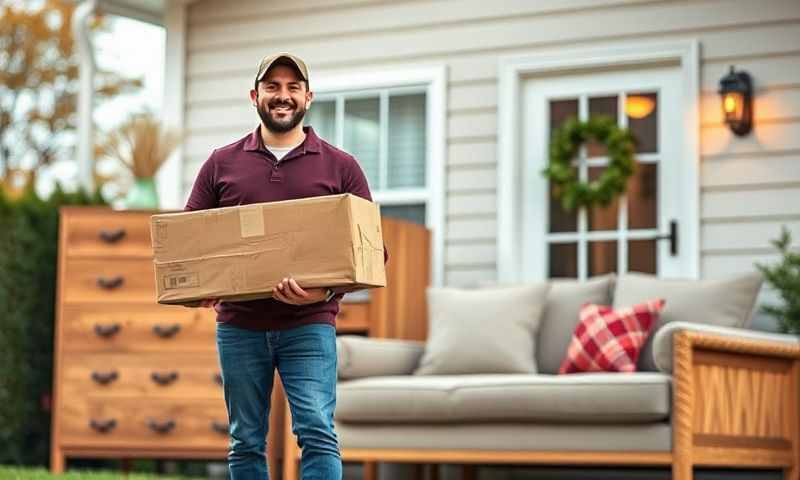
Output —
<point x="371" y="357"/>
<point x="735" y="398"/>
<point x="663" y="339"/>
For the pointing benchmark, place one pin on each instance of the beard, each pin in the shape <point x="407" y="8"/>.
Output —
<point x="280" y="125"/>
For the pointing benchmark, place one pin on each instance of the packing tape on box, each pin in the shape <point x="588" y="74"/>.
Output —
<point x="251" y="219"/>
<point x="368" y="249"/>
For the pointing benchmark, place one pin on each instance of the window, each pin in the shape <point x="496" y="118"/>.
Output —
<point x="386" y="131"/>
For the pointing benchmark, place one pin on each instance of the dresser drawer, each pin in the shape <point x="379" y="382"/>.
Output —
<point x="145" y="375"/>
<point x="144" y="423"/>
<point x="104" y="232"/>
<point x="102" y="280"/>
<point x="352" y="317"/>
<point x="137" y="328"/>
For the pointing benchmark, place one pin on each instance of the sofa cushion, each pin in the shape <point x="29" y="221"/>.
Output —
<point x="608" y="339"/>
<point x="579" y="398"/>
<point x="722" y="302"/>
<point x="561" y="314"/>
<point x="359" y="356"/>
<point x="489" y="330"/>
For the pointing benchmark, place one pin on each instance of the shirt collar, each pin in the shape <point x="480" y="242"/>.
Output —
<point x="311" y="144"/>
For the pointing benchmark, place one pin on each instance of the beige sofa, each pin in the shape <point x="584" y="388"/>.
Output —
<point x="709" y="395"/>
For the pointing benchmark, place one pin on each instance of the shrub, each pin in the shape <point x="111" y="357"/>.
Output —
<point x="28" y="257"/>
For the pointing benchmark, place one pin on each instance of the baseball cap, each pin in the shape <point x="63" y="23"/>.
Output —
<point x="282" y="57"/>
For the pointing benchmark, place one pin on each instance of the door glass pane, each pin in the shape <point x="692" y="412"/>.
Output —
<point x="412" y="213"/>
<point x="642" y="111"/>
<point x="606" y="106"/>
<point x="602" y="257"/>
<point x="643" y="196"/>
<point x="560" y="219"/>
<point x="563" y="260"/>
<point x="561" y="110"/>
<point x="362" y="134"/>
<point x="602" y="218"/>
<point x="407" y="140"/>
<point x="642" y="256"/>
<point x="322" y="118"/>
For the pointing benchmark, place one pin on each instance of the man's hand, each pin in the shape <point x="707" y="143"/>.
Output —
<point x="288" y="291"/>
<point x="209" y="302"/>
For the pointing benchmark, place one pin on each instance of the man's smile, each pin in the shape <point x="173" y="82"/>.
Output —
<point x="282" y="109"/>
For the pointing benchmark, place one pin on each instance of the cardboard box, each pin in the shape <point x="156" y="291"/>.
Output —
<point x="241" y="253"/>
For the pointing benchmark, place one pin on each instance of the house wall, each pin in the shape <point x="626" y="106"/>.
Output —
<point x="749" y="186"/>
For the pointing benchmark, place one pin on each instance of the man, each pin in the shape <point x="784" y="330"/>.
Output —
<point x="295" y="330"/>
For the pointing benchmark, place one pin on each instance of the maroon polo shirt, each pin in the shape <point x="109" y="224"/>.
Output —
<point x="245" y="172"/>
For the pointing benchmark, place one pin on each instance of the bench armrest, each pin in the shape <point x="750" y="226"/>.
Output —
<point x="663" y="339"/>
<point x="371" y="357"/>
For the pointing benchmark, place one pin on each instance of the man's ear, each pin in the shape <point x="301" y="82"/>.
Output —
<point x="309" y="98"/>
<point x="254" y="97"/>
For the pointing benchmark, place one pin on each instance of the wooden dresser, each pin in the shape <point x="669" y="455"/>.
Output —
<point x="131" y="378"/>
<point x="135" y="379"/>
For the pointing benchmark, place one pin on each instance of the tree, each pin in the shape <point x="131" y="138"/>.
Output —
<point x="39" y="69"/>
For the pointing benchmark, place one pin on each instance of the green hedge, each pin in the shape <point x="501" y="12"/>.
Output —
<point x="12" y="473"/>
<point x="28" y="253"/>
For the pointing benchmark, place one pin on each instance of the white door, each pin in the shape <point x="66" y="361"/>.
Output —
<point x="640" y="231"/>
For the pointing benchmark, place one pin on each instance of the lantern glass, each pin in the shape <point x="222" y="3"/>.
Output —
<point x="733" y="106"/>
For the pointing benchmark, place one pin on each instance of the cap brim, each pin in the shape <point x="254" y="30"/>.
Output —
<point x="283" y="59"/>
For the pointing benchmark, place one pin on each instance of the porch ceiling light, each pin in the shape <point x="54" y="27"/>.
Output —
<point x="639" y="106"/>
<point x="736" y="90"/>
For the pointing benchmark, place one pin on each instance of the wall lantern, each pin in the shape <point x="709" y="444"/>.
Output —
<point x="736" y="91"/>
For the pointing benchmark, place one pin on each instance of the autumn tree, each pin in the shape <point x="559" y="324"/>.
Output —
<point x="39" y="84"/>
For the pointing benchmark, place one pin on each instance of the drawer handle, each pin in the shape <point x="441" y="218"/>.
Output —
<point x="163" y="427"/>
<point x="219" y="427"/>
<point x="110" y="283"/>
<point x="164" y="379"/>
<point x="103" y="426"/>
<point x="166" y="332"/>
<point x="218" y="378"/>
<point x="112" y="236"/>
<point x="104" y="378"/>
<point x="107" y="331"/>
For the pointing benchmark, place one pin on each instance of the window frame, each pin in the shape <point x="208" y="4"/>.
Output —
<point x="430" y="80"/>
<point x="382" y="193"/>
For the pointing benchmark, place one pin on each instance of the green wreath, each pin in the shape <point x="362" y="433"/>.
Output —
<point x="564" y="145"/>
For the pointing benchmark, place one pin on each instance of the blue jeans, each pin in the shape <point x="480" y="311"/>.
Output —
<point x="306" y="361"/>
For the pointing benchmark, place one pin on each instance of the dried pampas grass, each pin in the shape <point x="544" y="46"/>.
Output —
<point x="142" y="144"/>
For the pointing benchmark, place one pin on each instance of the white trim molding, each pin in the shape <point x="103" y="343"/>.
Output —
<point x="514" y="69"/>
<point x="88" y="67"/>
<point x="169" y="179"/>
<point x="434" y="80"/>
<point x="150" y="11"/>
<point x="135" y="10"/>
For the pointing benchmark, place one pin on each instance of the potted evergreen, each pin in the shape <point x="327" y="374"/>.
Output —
<point x="784" y="278"/>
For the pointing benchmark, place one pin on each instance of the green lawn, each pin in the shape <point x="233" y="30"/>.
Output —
<point x="18" y="473"/>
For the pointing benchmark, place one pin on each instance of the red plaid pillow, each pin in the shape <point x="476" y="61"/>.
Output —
<point x="608" y="340"/>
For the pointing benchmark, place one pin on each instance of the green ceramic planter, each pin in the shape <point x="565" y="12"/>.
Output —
<point x="143" y="195"/>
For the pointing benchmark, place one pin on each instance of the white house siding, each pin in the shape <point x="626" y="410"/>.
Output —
<point x="749" y="186"/>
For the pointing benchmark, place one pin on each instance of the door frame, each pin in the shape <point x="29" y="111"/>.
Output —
<point x="534" y="211"/>
<point x="513" y="70"/>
